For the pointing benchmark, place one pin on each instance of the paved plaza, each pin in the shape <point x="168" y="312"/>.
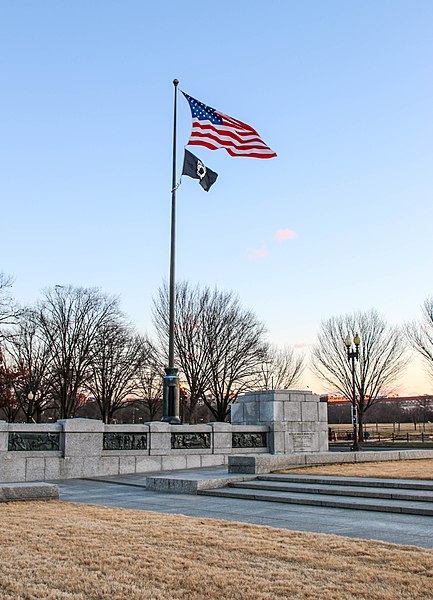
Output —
<point x="129" y="491"/>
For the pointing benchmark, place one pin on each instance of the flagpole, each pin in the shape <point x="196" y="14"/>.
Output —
<point x="170" y="404"/>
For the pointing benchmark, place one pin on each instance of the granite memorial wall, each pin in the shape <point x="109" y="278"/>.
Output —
<point x="274" y="422"/>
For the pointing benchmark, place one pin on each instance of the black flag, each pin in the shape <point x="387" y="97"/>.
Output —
<point x="193" y="167"/>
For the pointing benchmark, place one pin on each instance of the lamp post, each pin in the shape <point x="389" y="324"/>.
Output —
<point x="32" y="406"/>
<point x="30" y="398"/>
<point x="352" y="356"/>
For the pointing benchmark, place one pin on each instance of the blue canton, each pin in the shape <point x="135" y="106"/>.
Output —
<point x="202" y="112"/>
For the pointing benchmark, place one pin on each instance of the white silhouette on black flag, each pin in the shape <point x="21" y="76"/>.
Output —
<point x="193" y="167"/>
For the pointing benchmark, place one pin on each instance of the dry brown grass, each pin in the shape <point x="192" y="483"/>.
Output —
<point x="56" y="550"/>
<point x="395" y="469"/>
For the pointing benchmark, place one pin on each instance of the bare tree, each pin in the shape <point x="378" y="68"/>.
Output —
<point x="422" y="410"/>
<point x="31" y="356"/>
<point x="69" y="319"/>
<point x="8" y="307"/>
<point x="150" y="383"/>
<point x="9" y="405"/>
<point x="189" y="337"/>
<point x="235" y="349"/>
<point x="381" y="357"/>
<point x="420" y="336"/>
<point x="219" y="345"/>
<point x="281" y="370"/>
<point x="118" y="354"/>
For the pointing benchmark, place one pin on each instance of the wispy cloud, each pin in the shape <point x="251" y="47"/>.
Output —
<point x="258" y="252"/>
<point x="280" y="235"/>
<point x="285" y="234"/>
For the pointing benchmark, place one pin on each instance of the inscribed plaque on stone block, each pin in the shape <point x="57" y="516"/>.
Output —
<point x="303" y="442"/>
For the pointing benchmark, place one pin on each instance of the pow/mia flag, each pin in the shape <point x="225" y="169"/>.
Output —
<point x="193" y="167"/>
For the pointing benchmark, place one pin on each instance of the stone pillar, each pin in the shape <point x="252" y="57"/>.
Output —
<point x="82" y="437"/>
<point x="4" y="428"/>
<point x="297" y="420"/>
<point x="82" y="447"/>
<point x="222" y="437"/>
<point x="159" y="438"/>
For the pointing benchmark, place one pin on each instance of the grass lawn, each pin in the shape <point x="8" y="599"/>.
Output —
<point x="395" y="469"/>
<point x="55" y="550"/>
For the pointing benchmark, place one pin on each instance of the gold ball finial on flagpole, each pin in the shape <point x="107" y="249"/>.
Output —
<point x="175" y="82"/>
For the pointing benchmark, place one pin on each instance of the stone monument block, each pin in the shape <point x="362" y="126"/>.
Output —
<point x="292" y="411"/>
<point x="251" y="413"/>
<point x="237" y="413"/>
<point x="323" y="413"/>
<point x="297" y="419"/>
<point x="309" y="412"/>
<point x="270" y="410"/>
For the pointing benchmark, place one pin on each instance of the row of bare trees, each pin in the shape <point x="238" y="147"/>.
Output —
<point x="75" y="343"/>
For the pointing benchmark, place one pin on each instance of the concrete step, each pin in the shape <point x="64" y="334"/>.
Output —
<point x="333" y="501"/>
<point x="407" y="484"/>
<point x="338" y="490"/>
<point x="381" y="495"/>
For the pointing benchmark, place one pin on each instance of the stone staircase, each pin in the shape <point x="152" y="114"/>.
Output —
<point x="385" y="495"/>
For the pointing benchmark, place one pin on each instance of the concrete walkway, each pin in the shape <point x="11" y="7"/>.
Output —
<point x="129" y="491"/>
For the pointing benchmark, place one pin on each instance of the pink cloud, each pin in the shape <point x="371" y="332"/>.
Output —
<point x="285" y="234"/>
<point x="259" y="252"/>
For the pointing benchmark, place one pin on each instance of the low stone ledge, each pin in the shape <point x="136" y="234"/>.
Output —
<point x="265" y="463"/>
<point x="14" y="492"/>
<point x="415" y="454"/>
<point x="185" y="485"/>
<point x="375" y="456"/>
<point x="329" y="458"/>
<point x="168" y="485"/>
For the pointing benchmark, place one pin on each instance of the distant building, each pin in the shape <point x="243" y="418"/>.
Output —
<point x="417" y="409"/>
<point x="405" y="402"/>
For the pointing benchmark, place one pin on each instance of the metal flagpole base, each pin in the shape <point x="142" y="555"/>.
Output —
<point x="170" y="401"/>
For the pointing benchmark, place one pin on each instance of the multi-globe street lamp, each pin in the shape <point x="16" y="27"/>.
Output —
<point x="352" y="356"/>
<point x="30" y="397"/>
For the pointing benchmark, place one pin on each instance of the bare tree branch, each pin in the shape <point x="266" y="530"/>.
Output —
<point x="219" y="345"/>
<point x="189" y="338"/>
<point x="31" y="356"/>
<point x="381" y="357"/>
<point x="117" y="356"/>
<point x="420" y="335"/>
<point x="235" y="349"/>
<point x="150" y="382"/>
<point x="9" y="310"/>
<point x="281" y="370"/>
<point x="69" y="320"/>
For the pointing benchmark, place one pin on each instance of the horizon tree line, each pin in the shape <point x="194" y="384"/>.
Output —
<point x="76" y="342"/>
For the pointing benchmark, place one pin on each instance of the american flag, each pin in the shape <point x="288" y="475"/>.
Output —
<point x="214" y="130"/>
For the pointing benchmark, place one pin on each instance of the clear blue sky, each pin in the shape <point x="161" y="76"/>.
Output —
<point x="342" y="91"/>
